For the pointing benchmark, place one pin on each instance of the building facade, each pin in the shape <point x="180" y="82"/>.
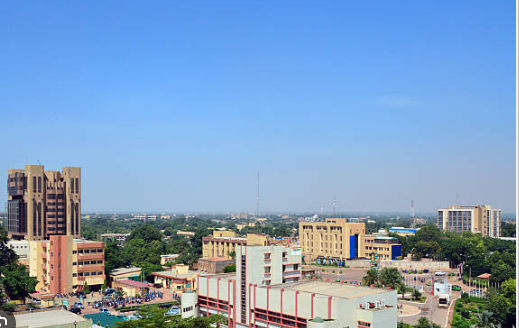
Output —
<point x="223" y="243"/>
<point x="336" y="240"/>
<point x="332" y="239"/>
<point x="477" y="219"/>
<point x="119" y="238"/>
<point x="63" y="264"/>
<point x="178" y="279"/>
<point x="213" y="265"/>
<point x="275" y="297"/>
<point x="43" y="203"/>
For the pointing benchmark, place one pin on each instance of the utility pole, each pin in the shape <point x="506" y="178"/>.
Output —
<point x="258" y="197"/>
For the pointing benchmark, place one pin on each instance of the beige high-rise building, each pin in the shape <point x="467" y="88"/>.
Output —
<point x="43" y="203"/>
<point x="477" y="219"/>
<point x="336" y="240"/>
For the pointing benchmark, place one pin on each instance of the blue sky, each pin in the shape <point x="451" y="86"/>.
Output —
<point x="174" y="106"/>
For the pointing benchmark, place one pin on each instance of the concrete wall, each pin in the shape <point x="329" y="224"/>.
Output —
<point x="416" y="265"/>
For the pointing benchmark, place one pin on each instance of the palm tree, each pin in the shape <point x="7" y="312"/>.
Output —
<point x="371" y="278"/>
<point x="416" y="294"/>
<point x="390" y="277"/>
<point x="401" y="289"/>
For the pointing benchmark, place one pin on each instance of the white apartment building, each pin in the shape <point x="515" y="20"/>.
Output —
<point x="267" y="291"/>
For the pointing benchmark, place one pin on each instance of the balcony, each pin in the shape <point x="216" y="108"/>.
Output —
<point x="84" y="257"/>
<point x="83" y="268"/>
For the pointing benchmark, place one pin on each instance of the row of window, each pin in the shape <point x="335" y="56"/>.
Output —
<point x="88" y="262"/>
<point x="87" y="274"/>
<point x="88" y="251"/>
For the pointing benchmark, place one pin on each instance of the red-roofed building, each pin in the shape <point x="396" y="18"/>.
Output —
<point x="484" y="276"/>
<point x="131" y="287"/>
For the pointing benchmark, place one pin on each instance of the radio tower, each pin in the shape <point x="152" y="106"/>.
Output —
<point x="257" y="197"/>
<point x="334" y="202"/>
<point x="413" y="214"/>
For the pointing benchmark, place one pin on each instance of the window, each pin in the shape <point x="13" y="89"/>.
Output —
<point x="74" y="275"/>
<point x="99" y="273"/>
<point x="87" y="274"/>
<point x="74" y="252"/>
<point x="74" y="263"/>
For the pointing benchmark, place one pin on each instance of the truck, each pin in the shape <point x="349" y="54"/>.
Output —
<point x="444" y="300"/>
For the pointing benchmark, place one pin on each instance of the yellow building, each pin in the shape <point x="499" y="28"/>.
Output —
<point x="222" y="243"/>
<point x="477" y="219"/>
<point x="334" y="238"/>
<point x="178" y="279"/>
<point x="338" y="240"/>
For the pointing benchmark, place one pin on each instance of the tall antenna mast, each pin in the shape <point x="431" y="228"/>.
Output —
<point x="257" y="197"/>
<point x="334" y="202"/>
<point x="413" y="214"/>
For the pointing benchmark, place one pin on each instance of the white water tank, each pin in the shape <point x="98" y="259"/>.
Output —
<point x="188" y="301"/>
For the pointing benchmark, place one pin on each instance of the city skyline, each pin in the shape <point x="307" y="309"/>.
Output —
<point x="174" y="108"/>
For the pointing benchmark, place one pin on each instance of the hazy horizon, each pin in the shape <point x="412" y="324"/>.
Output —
<point x="175" y="107"/>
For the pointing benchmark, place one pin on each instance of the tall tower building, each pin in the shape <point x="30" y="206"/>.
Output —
<point x="43" y="203"/>
<point x="478" y="219"/>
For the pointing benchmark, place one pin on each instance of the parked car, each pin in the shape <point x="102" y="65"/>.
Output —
<point x="164" y="306"/>
<point x="79" y="305"/>
<point x="135" y="316"/>
<point x="158" y="285"/>
<point x="425" y="271"/>
<point x="173" y="311"/>
<point x="439" y="273"/>
<point x="456" y="287"/>
<point x="104" y="310"/>
<point x="75" y="310"/>
<point x="109" y="291"/>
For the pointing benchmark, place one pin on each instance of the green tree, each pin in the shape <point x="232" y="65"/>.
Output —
<point x="423" y="322"/>
<point x="232" y="254"/>
<point x="229" y="268"/>
<point x="371" y="278"/>
<point x="7" y="255"/>
<point x="390" y="277"/>
<point x="507" y="229"/>
<point x="499" y="305"/>
<point x="17" y="282"/>
<point x="459" y="322"/>
<point x="154" y="317"/>
<point x="86" y="289"/>
<point x="148" y="268"/>
<point x="508" y="290"/>
<point x="416" y="294"/>
<point x="147" y="232"/>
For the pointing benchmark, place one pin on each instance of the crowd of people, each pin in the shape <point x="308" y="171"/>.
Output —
<point x="115" y="303"/>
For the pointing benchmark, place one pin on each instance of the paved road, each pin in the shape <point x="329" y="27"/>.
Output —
<point x="429" y="310"/>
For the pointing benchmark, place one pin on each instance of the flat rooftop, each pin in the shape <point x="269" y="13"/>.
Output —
<point x="171" y="274"/>
<point x="47" y="318"/>
<point x="124" y="270"/>
<point x="215" y="259"/>
<point x="333" y="289"/>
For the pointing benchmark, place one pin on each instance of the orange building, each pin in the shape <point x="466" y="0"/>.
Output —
<point x="63" y="264"/>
